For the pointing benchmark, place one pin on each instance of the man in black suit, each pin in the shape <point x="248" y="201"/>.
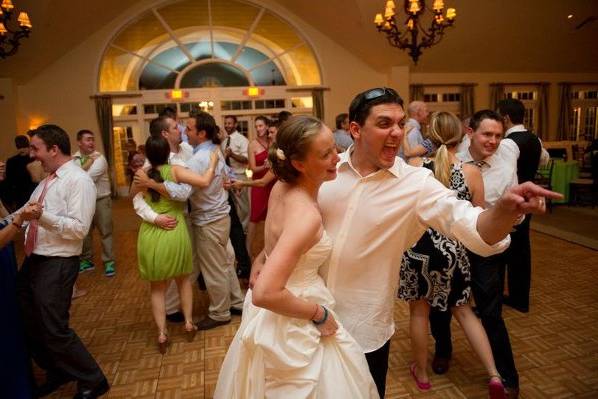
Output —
<point x="526" y="147"/>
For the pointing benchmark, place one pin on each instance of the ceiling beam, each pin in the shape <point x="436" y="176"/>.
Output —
<point x="173" y="36"/>
<point x="144" y="58"/>
<point x="248" y="34"/>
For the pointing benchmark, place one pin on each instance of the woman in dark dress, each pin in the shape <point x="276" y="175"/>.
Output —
<point x="435" y="272"/>
<point x="15" y="368"/>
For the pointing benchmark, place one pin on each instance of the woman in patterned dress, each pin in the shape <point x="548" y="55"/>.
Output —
<point x="436" y="272"/>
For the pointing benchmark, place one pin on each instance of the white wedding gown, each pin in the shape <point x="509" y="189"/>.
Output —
<point x="274" y="356"/>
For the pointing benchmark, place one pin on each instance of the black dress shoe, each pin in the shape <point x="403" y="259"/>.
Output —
<point x="176" y="317"/>
<point x="201" y="283"/>
<point x="208" y="323"/>
<point x="53" y="382"/>
<point x="510" y="303"/>
<point x="440" y="365"/>
<point x="236" y="312"/>
<point x="98" y="391"/>
<point x="511" y="393"/>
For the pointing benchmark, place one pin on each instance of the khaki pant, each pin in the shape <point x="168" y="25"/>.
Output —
<point x="102" y="219"/>
<point x="211" y="242"/>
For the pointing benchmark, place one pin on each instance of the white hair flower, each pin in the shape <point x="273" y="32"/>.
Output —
<point x="280" y="154"/>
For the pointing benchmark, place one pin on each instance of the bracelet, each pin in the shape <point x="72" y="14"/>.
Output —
<point x="315" y="312"/>
<point x="324" y="318"/>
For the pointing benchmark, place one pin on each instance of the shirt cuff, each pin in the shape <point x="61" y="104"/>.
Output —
<point x="178" y="191"/>
<point x="48" y="221"/>
<point x="465" y="230"/>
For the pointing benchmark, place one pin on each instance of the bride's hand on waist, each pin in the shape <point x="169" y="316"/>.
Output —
<point x="329" y="326"/>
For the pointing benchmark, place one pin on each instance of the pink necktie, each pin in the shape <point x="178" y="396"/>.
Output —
<point x="32" y="231"/>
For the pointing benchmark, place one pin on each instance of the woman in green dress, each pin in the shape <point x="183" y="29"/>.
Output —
<point x="166" y="254"/>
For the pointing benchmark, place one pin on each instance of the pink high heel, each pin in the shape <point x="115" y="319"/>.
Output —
<point x="422" y="386"/>
<point x="496" y="390"/>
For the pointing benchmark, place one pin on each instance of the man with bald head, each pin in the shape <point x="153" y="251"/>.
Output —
<point x="418" y="116"/>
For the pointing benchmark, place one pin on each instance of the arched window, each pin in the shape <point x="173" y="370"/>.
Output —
<point x="207" y="43"/>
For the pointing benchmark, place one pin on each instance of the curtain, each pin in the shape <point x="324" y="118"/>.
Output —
<point x="466" y="106"/>
<point x="542" y="128"/>
<point x="565" y="112"/>
<point x="497" y="93"/>
<point x="317" y="96"/>
<point x="416" y="92"/>
<point x="104" y="115"/>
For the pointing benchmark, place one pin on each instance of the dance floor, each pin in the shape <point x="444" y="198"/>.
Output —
<point x="555" y="345"/>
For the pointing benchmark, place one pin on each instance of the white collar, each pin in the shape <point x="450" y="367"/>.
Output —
<point x="345" y="159"/>
<point x="516" y="128"/>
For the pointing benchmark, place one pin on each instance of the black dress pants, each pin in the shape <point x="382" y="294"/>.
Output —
<point x="238" y="240"/>
<point x="44" y="289"/>
<point x="378" y="365"/>
<point x="486" y="286"/>
<point x="519" y="265"/>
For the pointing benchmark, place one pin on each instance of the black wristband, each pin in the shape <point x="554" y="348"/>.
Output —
<point x="323" y="319"/>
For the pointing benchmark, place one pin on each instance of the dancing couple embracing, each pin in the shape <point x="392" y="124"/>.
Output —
<point x="318" y="320"/>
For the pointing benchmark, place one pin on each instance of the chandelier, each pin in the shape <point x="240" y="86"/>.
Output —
<point x="10" y="38"/>
<point x="413" y="36"/>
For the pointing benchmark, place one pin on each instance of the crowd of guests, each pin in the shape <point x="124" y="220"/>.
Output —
<point x="312" y="223"/>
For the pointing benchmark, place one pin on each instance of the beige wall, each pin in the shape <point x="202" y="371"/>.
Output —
<point x="483" y="80"/>
<point x="8" y="119"/>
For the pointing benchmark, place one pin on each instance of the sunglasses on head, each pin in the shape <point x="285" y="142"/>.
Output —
<point x="379" y="92"/>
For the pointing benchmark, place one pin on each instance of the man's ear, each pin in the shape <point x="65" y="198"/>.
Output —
<point x="355" y="130"/>
<point x="202" y="133"/>
<point x="468" y="131"/>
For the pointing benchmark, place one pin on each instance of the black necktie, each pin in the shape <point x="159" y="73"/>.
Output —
<point x="479" y="164"/>
<point x="227" y="160"/>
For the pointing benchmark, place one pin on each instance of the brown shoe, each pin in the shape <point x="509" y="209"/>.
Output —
<point x="440" y="365"/>
<point x="512" y="393"/>
<point x="208" y="323"/>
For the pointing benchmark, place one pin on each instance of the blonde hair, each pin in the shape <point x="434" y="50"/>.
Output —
<point x="445" y="132"/>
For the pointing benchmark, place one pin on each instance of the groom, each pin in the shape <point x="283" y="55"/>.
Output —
<point x="378" y="206"/>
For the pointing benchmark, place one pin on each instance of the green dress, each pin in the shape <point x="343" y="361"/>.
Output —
<point x="164" y="254"/>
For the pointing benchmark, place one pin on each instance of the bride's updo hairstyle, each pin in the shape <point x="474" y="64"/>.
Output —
<point x="292" y="143"/>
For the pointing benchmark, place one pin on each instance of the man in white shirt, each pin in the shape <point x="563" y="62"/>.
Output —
<point x="97" y="168"/>
<point x="234" y="147"/>
<point x="525" y="148"/>
<point x="379" y="206"/>
<point x="67" y="199"/>
<point x="180" y="153"/>
<point x="499" y="175"/>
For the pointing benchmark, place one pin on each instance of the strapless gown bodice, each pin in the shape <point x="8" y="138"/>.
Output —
<point x="275" y="356"/>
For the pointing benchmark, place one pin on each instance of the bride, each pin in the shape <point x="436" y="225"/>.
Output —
<point x="289" y="344"/>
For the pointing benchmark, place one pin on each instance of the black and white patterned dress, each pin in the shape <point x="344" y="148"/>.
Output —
<point x="437" y="268"/>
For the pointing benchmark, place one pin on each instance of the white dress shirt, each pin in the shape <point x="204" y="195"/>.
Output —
<point x="373" y="220"/>
<point x="98" y="171"/>
<point x="239" y="146"/>
<point x="69" y="206"/>
<point x="498" y="172"/>
<point x="178" y="192"/>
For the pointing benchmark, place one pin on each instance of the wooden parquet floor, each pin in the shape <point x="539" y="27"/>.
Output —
<point x="556" y="344"/>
